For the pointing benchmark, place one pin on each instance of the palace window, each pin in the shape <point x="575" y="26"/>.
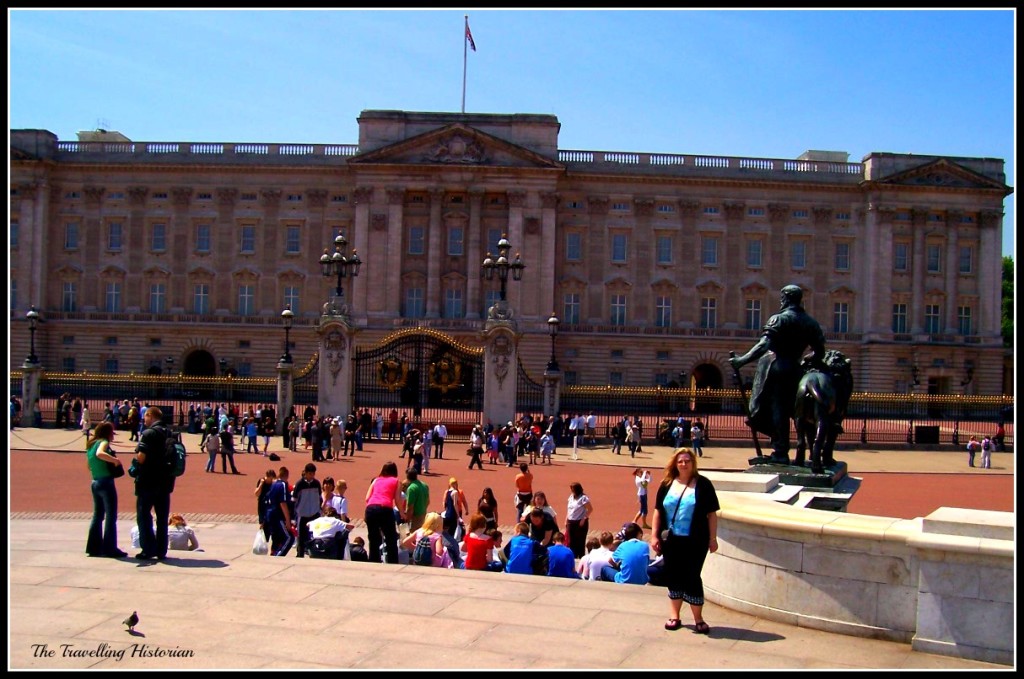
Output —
<point x="416" y="244"/>
<point x="934" y="254"/>
<point x="573" y="247"/>
<point x="291" y="298"/>
<point x="963" y="317"/>
<point x="966" y="259"/>
<point x="158" y="298"/>
<point x="202" y="238"/>
<point x="571" y="308"/>
<point x="291" y="239"/>
<point x="453" y="303"/>
<point x="841" y="317"/>
<point x="201" y="298"/>
<point x="71" y="236"/>
<point x="709" y="251"/>
<point x="618" y="310"/>
<point x="663" y="249"/>
<point x="931" y="319"/>
<point x="69" y="296"/>
<point x="752" y="314"/>
<point x="754" y="247"/>
<point x="663" y="311"/>
<point x="842" y="257"/>
<point x="619" y="248"/>
<point x="114" y="236"/>
<point x="900" y="257"/>
<point x="456" y="245"/>
<point x="899" y="318"/>
<point x="246" y="300"/>
<point x="158" y="237"/>
<point x="112" y="297"/>
<point x="798" y="254"/>
<point x="708" y="313"/>
<point x="414" y="307"/>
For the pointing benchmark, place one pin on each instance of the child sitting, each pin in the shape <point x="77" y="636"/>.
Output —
<point x="357" y="550"/>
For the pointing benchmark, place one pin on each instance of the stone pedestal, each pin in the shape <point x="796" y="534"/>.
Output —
<point x="337" y="339"/>
<point x="501" y="363"/>
<point x="284" y="393"/>
<point x="552" y="392"/>
<point x="794" y="475"/>
<point x="30" y="374"/>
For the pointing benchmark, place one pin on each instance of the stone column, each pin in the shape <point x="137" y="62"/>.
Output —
<point x="224" y="241"/>
<point x="594" y="305"/>
<point x="474" y="255"/>
<point x="641" y="263"/>
<point x="545" y="255"/>
<point x="920" y="265"/>
<point x="731" y="313"/>
<point x="284" y="392"/>
<point x="501" y="364"/>
<point x="990" y="274"/>
<point x="435" y="250"/>
<point x="360" y="242"/>
<point x="552" y="392"/>
<point x="822" y="257"/>
<point x="777" y="255"/>
<point x="952" y="269"/>
<point x="92" y="243"/>
<point x="337" y="341"/>
<point x="516" y="205"/>
<point x="393" y="264"/>
<point x="689" y="264"/>
<point x="135" y="291"/>
<point x="30" y="376"/>
<point x="878" y="288"/>
<point x="177" y="246"/>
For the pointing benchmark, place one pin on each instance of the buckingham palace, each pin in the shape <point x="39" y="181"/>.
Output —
<point x="148" y="256"/>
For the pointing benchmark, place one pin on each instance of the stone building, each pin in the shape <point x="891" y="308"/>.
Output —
<point x="657" y="265"/>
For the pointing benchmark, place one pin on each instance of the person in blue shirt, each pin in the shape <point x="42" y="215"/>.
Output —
<point x="628" y="563"/>
<point x="519" y="551"/>
<point x="561" y="561"/>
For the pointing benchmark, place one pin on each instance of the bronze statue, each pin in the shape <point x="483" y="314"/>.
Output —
<point x="821" y="400"/>
<point x="783" y="341"/>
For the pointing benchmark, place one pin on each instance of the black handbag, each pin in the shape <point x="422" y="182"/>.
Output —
<point x="116" y="470"/>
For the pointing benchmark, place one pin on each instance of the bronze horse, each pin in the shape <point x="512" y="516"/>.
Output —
<point x="821" y="401"/>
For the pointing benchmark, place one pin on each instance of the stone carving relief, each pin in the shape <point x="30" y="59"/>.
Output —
<point x="532" y="225"/>
<point x="271" y="197"/>
<point x="334" y="352"/>
<point x="137" y="194"/>
<point x="378" y="221"/>
<point x="597" y="205"/>
<point x="93" y="194"/>
<point x="689" y="208"/>
<point x="362" y="194"/>
<point x="644" y="207"/>
<point x="316" y="197"/>
<point x="459" y="149"/>
<point x="734" y="209"/>
<point x="226" y="196"/>
<point x="181" y="195"/>
<point x="501" y="357"/>
<point x="516" y="199"/>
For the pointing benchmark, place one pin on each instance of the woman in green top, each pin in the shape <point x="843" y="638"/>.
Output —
<point x="102" y="539"/>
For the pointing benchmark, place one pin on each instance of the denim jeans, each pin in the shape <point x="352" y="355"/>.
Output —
<point x="148" y="500"/>
<point x="103" y="528"/>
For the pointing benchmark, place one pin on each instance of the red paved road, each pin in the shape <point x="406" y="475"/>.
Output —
<point x="43" y="481"/>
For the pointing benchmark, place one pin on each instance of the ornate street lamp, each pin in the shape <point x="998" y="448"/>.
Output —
<point x="553" y="332"/>
<point x="501" y="265"/>
<point x="339" y="264"/>
<point x="287" y="318"/>
<point x="33" y="321"/>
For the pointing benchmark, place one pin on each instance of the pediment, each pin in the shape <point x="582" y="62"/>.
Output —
<point x="942" y="173"/>
<point x="155" y="271"/>
<point x="754" y="288"/>
<point x="709" y="287"/>
<point x="455" y="145"/>
<point x="663" y="283"/>
<point x="201" y="271"/>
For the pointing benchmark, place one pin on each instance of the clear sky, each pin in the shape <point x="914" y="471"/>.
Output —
<point x="765" y="84"/>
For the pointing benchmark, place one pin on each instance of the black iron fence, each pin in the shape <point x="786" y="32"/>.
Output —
<point x="872" y="418"/>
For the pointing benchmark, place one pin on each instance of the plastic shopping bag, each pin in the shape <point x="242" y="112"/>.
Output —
<point x="260" y="545"/>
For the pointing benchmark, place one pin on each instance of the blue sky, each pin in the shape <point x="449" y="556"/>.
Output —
<point x="767" y="84"/>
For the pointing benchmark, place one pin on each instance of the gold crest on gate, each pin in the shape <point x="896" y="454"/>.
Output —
<point x="392" y="373"/>
<point x="445" y="374"/>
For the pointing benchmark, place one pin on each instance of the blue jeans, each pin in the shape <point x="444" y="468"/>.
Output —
<point x="213" y="461"/>
<point x="608" y="573"/>
<point x="148" y="500"/>
<point x="103" y="528"/>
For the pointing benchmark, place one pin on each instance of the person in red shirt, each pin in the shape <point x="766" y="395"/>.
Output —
<point x="478" y="546"/>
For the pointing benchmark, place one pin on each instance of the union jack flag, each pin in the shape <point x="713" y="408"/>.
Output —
<point x="469" y="37"/>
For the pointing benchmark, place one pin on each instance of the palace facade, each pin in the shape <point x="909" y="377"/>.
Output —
<point x="156" y="256"/>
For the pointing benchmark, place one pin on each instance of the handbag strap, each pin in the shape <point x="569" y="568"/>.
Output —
<point x="676" y="512"/>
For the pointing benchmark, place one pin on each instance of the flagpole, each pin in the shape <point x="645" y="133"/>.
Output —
<point x="464" y="48"/>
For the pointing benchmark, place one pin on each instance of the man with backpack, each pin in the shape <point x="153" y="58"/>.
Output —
<point x="154" y="483"/>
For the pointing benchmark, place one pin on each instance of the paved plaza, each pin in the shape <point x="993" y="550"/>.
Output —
<point x="225" y="608"/>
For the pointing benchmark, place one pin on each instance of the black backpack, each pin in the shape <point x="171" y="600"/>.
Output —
<point x="174" y="454"/>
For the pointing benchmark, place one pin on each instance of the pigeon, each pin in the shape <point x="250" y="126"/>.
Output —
<point x="132" y="620"/>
